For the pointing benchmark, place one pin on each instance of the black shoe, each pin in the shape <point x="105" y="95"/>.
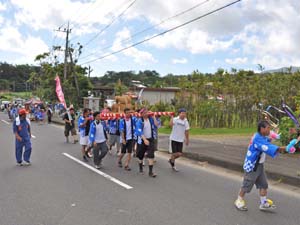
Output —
<point x="152" y="175"/>
<point x="127" y="168"/>
<point x="86" y="153"/>
<point x="84" y="158"/>
<point x="171" y="163"/>
<point x="120" y="164"/>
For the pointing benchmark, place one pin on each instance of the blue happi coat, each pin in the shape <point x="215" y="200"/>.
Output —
<point x="114" y="126"/>
<point x="123" y="128"/>
<point x="259" y="144"/>
<point x="139" y="129"/>
<point x="92" y="132"/>
<point x="80" y="123"/>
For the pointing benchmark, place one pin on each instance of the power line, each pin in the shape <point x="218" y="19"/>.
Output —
<point x="108" y="25"/>
<point x="110" y="12"/>
<point x="162" y="33"/>
<point x="82" y="15"/>
<point x="78" y="14"/>
<point x="152" y="27"/>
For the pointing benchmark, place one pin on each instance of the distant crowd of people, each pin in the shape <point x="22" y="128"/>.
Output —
<point x="36" y="112"/>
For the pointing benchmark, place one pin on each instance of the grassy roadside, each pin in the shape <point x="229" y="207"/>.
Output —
<point x="11" y="95"/>
<point x="214" y="131"/>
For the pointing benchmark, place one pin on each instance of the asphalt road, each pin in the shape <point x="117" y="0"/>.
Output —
<point x="58" y="190"/>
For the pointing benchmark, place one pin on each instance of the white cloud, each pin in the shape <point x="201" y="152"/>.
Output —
<point x="2" y="6"/>
<point x="1" y="20"/>
<point x="237" y="61"/>
<point x="258" y="29"/>
<point x="271" y="36"/>
<point x="49" y="14"/>
<point x="264" y="32"/>
<point x="179" y="61"/>
<point x="140" y="57"/>
<point x="11" y="40"/>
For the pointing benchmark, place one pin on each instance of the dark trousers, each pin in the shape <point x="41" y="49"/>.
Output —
<point x="100" y="152"/>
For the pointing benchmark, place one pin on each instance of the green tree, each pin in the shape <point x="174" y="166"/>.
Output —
<point x="120" y="89"/>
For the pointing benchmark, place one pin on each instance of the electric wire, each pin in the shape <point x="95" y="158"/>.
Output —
<point x="162" y="33"/>
<point x="78" y="15"/>
<point x="108" y="25"/>
<point x="152" y="27"/>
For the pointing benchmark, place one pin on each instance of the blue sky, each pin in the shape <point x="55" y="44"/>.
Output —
<point x="241" y="36"/>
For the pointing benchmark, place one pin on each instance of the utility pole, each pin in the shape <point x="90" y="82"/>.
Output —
<point x="67" y="31"/>
<point x="90" y="70"/>
<point x="66" y="51"/>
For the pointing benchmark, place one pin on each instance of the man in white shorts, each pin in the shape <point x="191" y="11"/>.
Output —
<point x="84" y="122"/>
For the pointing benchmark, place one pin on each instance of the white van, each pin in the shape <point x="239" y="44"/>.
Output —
<point x="110" y="102"/>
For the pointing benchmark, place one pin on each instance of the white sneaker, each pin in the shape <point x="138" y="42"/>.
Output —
<point x="240" y="205"/>
<point x="26" y="163"/>
<point x="268" y="205"/>
<point x="97" y="167"/>
<point x="175" y="169"/>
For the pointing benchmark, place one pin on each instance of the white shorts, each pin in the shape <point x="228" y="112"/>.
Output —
<point x="84" y="140"/>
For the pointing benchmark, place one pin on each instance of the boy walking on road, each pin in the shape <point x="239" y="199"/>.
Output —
<point x="98" y="137"/>
<point x="84" y="123"/>
<point x="114" y="134"/>
<point x="259" y="146"/>
<point x="127" y="127"/>
<point x="180" y="133"/>
<point x="69" y="119"/>
<point x="145" y="127"/>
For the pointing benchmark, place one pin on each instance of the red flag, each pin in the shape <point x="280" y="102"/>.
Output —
<point x="59" y="92"/>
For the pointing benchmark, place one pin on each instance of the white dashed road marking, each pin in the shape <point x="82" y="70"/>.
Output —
<point x="126" y="186"/>
<point x="4" y="121"/>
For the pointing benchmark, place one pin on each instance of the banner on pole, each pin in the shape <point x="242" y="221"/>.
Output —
<point x="59" y="92"/>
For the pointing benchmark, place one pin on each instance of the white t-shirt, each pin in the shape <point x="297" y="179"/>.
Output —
<point x="128" y="130"/>
<point x="147" y="129"/>
<point x="179" y="128"/>
<point x="99" y="136"/>
<point x="262" y="158"/>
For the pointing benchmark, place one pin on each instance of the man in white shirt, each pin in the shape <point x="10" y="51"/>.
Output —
<point x="98" y="138"/>
<point x="180" y="133"/>
<point x="144" y="131"/>
<point x="127" y="126"/>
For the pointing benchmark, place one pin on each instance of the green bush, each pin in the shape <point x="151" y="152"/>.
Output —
<point x="287" y="130"/>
